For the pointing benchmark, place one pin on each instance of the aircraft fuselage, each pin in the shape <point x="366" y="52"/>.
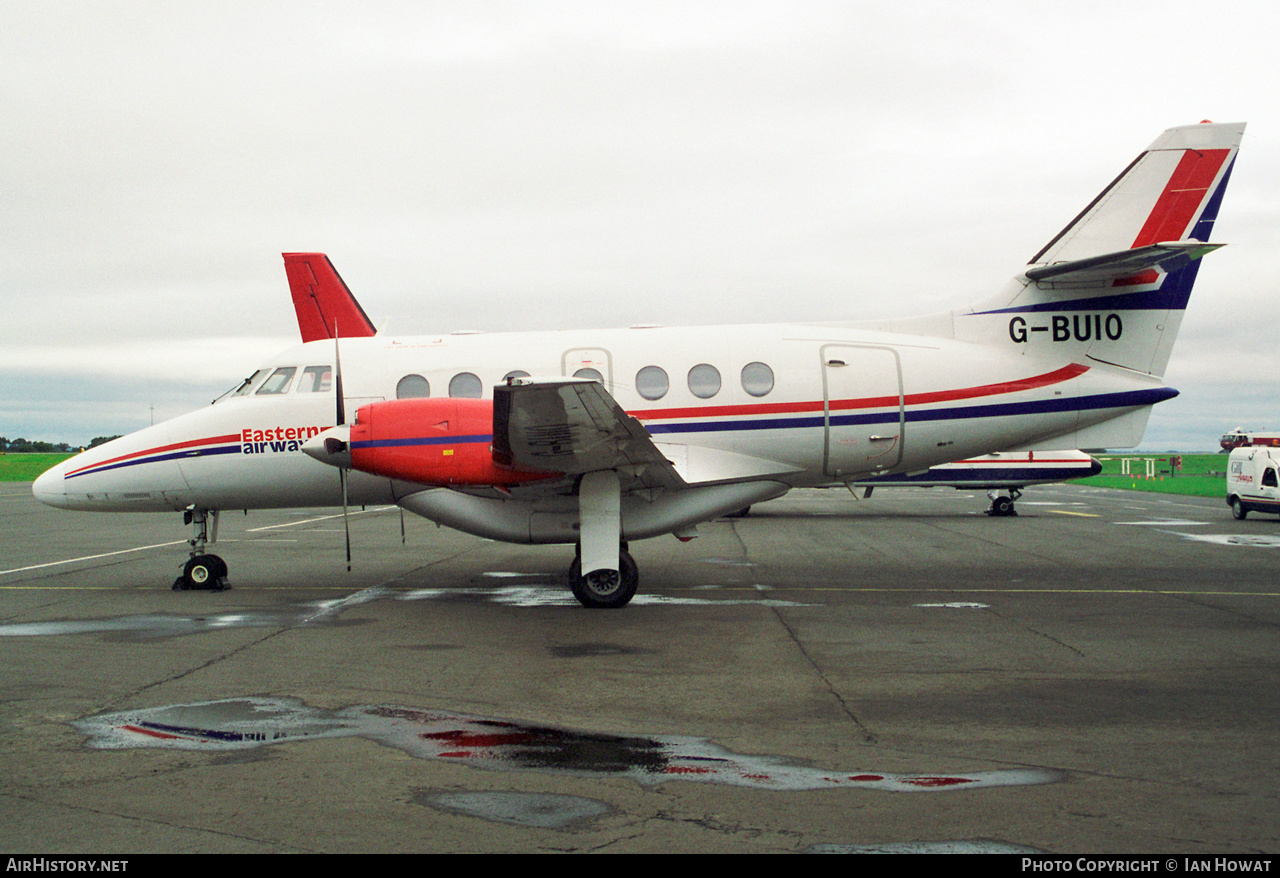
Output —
<point x="802" y="405"/>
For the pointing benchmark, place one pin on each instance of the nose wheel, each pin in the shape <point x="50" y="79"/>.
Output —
<point x="202" y="570"/>
<point x="208" y="572"/>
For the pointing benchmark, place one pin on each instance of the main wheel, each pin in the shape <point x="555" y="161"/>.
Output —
<point x="1237" y="509"/>
<point x="605" y="589"/>
<point x="1002" y="506"/>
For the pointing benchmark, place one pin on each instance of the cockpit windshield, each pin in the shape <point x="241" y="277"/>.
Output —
<point x="314" y="379"/>
<point x="279" y="381"/>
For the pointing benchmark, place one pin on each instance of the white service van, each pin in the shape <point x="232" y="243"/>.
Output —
<point x="1253" y="480"/>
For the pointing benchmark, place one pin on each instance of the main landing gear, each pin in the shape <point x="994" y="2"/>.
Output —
<point x="605" y="589"/>
<point x="202" y="570"/>
<point x="611" y="576"/>
<point x="1001" y="506"/>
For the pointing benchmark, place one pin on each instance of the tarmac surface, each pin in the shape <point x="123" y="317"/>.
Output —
<point x="1096" y="675"/>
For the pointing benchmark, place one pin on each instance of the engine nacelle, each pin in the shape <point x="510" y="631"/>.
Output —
<point x="431" y="441"/>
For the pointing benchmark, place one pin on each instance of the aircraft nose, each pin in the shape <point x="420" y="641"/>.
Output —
<point x="49" y="488"/>
<point x="1095" y="466"/>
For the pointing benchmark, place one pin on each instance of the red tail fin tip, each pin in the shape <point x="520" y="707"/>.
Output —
<point x="320" y="297"/>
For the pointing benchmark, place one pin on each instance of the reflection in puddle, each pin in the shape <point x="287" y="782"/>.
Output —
<point x="498" y="745"/>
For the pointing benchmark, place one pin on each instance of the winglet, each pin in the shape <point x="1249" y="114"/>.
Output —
<point x="321" y="298"/>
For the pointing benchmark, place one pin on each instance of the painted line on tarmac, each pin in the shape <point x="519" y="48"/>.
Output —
<point x="92" y="557"/>
<point x="313" y="520"/>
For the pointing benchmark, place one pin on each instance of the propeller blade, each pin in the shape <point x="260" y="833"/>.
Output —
<point x="337" y="379"/>
<point x="346" y="524"/>
<point x="338" y="445"/>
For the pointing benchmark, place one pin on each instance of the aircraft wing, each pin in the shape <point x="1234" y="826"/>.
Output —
<point x="573" y="426"/>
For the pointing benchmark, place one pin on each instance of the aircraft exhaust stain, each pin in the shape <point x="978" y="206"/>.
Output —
<point x="500" y="745"/>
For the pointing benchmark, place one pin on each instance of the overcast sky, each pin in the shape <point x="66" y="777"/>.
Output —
<point x="503" y="166"/>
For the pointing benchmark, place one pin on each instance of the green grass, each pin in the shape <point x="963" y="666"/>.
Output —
<point x="1201" y="475"/>
<point x="25" y="467"/>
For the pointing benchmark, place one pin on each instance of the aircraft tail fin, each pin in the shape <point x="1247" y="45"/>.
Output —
<point x="1112" y="286"/>
<point x="1171" y="192"/>
<point x="321" y="298"/>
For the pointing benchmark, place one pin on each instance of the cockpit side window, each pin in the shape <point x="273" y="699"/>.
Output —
<point x="278" y="382"/>
<point x="315" y="379"/>
<point x="248" y="384"/>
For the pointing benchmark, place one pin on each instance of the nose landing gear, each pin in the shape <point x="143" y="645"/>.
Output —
<point x="202" y="570"/>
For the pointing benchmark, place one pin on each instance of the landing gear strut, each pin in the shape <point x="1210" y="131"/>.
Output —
<point x="611" y="577"/>
<point x="202" y="570"/>
<point x="1002" y="506"/>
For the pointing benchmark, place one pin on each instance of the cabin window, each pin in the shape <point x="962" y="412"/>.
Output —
<point x="515" y="373"/>
<point x="278" y="382"/>
<point x="652" y="382"/>
<point x="757" y="379"/>
<point x="315" y="379"/>
<point x="704" y="381"/>
<point x="413" y="387"/>
<point x="593" y="374"/>
<point x="465" y="385"/>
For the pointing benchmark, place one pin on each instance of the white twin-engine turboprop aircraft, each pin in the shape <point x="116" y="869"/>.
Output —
<point x="596" y="438"/>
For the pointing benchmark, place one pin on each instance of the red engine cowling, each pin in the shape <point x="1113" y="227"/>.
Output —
<point x="432" y="441"/>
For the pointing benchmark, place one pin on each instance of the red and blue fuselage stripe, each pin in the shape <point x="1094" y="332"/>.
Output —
<point x="1127" y="399"/>
<point x="173" y="451"/>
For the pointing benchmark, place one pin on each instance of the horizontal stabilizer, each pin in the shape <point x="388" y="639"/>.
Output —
<point x="1167" y="256"/>
<point x="322" y="300"/>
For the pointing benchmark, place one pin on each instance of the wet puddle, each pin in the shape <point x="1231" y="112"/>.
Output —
<point x="155" y="626"/>
<point x="158" y="626"/>
<point x="1257" y="541"/>
<point x="500" y="745"/>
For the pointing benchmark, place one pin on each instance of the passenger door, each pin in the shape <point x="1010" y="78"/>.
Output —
<point x="864" y="425"/>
